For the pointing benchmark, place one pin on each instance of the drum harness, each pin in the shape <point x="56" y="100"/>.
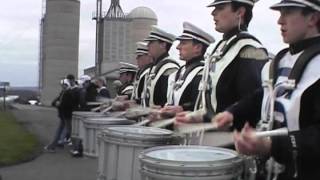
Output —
<point x="135" y="86"/>
<point x="267" y="121"/>
<point x="154" y="70"/>
<point x="205" y="86"/>
<point x="203" y="102"/>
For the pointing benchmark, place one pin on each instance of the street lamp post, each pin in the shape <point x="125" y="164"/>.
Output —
<point x="4" y="86"/>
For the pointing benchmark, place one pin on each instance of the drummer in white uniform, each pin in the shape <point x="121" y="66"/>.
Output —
<point x="127" y="74"/>
<point x="144" y="61"/>
<point x="159" y="43"/>
<point x="185" y="82"/>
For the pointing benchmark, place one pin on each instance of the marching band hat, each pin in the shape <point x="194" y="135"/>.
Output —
<point x="84" y="78"/>
<point x="159" y="34"/>
<point x="217" y="2"/>
<point x="313" y="4"/>
<point x="191" y="31"/>
<point x="142" y="48"/>
<point x="65" y="82"/>
<point x="127" y="67"/>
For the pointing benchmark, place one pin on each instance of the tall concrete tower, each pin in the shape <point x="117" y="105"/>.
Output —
<point x="59" y="45"/>
<point x="121" y="32"/>
<point x="142" y="18"/>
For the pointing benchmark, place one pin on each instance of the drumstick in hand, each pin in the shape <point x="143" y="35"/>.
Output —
<point x="166" y="122"/>
<point x="271" y="133"/>
<point x="162" y="123"/>
<point x="142" y="123"/>
<point x="196" y="127"/>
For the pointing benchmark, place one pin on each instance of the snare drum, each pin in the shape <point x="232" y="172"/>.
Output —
<point x="77" y="122"/>
<point x="190" y="163"/>
<point x="120" y="146"/>
<point x="93" y="127"/>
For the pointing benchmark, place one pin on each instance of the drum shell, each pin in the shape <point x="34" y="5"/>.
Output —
<point x="118" y="151"/>
<point x="92" y="129"/>
<point x="77" y="130"/>
<point x="159" y="169"/>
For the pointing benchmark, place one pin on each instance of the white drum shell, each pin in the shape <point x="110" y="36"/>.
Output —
<point x="77" y="130"/>
<point x="160" y="169"/>
<point x="119" y="150"/>
<point x="92" y="129"/>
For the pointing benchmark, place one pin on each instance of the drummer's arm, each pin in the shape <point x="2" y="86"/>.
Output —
<point x="247" y="109"/>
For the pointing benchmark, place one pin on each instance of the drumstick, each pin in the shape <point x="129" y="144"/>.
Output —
<point x="142" y="123"/>
<point x="196" y="127"/>
<point x="106" y="109"/>
<point x="162" y="123"/>
<point x="276" y="132"/>
<point x="166" y="122"/>
<point x="95" y="109"/>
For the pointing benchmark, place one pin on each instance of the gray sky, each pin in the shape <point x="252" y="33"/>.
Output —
<point x="19" y="32"/>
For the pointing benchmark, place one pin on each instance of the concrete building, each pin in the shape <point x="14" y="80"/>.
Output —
<point x="59" y="46"/>
<point x="120" y="33"/>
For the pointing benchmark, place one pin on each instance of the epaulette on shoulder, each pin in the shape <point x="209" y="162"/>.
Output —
<point x="251" y="52"/>
<point x="170" y="71"/>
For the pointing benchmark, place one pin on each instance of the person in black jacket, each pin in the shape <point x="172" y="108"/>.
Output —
<point x="65" y="106"/>
<point x="235" y="62"/>
<point x="295" y="78"/>
<point x="87" y="93"/>
<point x="102" y="91"/>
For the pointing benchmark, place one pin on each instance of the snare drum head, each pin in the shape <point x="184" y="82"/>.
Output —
<point x="191" y="154"/>
<point x="108" y="120"/>
<point x="140" y="130"/>
<point x="87" y="114"/>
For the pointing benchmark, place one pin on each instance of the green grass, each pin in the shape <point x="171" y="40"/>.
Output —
<point x="16" y="143"/>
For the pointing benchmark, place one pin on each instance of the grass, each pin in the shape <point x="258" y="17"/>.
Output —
<point x="16" y="143"/>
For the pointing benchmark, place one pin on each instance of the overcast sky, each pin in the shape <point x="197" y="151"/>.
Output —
<point x="19" y="30"/>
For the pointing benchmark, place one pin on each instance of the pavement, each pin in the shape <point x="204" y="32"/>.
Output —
<point x="42" y="121"/>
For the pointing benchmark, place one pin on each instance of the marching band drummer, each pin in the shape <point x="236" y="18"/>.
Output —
<point x="192" y="47"/>
<point x="127" y="73"/>
<point x="236" y="61"/>
<point x="297" y="106"/>
<point x="156" y="86"/>
<point x="144" y="61"/>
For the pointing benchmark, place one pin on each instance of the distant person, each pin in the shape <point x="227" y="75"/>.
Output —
<point x="102" y="90"/>
<point x="127" y="73"/>
<point x="87" y="93"/>
<point x="64" y="104"/>
<point x="144" y="61"/>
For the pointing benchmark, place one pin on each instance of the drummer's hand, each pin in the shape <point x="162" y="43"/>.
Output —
<point x="121" y="98"/>
<point x="170" y="111"/>
<point x="184" y="117"/>
<point x="248" y="143"/>
<point x="118" y="105"/>
<point x="154" y="116"/>
<point x="155" y="107"/>
<point x="224" y="120"/>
